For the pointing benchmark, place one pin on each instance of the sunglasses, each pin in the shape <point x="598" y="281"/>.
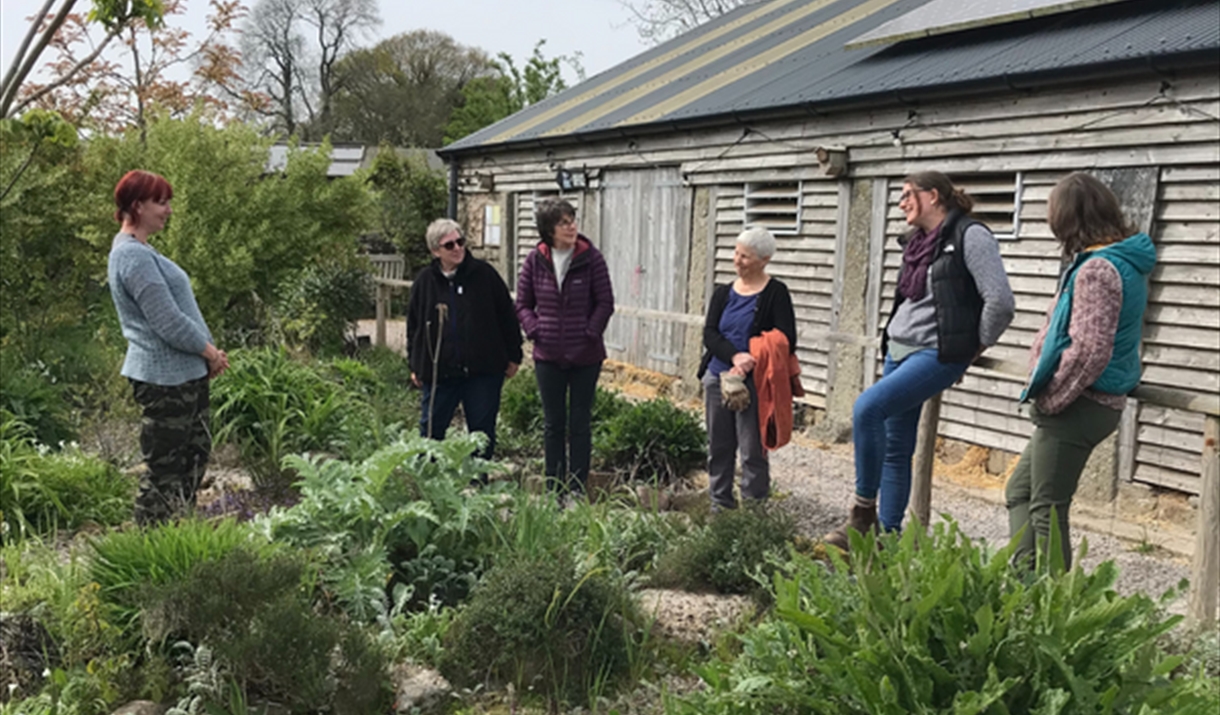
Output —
<point x="455" y="243"/>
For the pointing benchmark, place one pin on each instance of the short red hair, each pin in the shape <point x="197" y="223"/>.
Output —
<point x="136" y="186"/>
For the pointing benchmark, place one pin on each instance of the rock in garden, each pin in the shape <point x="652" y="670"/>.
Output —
<point x="693" y="618"/>
<point x="141" y="707"/>
<point x="419" y="687"/>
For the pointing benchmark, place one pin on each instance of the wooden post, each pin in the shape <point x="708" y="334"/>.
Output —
<point x="383" y="308"/>
<point x="1205" y="576"/>
<point x="925" y="453"/>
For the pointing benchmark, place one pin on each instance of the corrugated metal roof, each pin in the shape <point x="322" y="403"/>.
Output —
<point x="790" y="53"/>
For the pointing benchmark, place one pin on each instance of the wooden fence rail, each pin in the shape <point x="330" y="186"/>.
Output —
<point x="1205" y="571"/>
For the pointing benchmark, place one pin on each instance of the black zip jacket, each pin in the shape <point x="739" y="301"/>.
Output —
<point x="481" y="335"/>
<point x="772" y="310"/>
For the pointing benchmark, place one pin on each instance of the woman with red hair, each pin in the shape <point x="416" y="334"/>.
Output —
<point x="170" y="352"/>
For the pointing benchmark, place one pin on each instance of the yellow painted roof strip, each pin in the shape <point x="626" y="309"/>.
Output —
<point x="686" y="68"/>
<point x="648" y="66"/>
<point x="737" y="73"/>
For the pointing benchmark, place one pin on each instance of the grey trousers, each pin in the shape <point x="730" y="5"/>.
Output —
<point x="728" y="433"/>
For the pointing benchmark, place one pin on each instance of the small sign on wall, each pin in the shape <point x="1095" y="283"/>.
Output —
<point x="492" y="217"/>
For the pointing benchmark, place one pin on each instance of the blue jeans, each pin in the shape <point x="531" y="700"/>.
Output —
<point x="480" y="398"/>
<point x="884" y="425"/>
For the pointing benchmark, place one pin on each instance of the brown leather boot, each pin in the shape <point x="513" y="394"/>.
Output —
<point x="862" y="518"/>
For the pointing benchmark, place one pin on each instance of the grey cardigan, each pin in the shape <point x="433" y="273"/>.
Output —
<point x="165" y="331"/>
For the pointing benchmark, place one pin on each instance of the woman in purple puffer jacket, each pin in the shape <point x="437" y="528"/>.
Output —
<point x="564" y="301"/>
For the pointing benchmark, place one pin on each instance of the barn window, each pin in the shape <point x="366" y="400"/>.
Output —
<point x="997" y="200"/>
<point x="775" y="206"/>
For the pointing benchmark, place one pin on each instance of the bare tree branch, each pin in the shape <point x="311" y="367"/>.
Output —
<point x="67" y="77"/>
<point x="30" y="34"/>
<point x="660" y="20"/>
<point x="8" y="92"/>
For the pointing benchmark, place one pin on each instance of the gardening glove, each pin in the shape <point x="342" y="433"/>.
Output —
<point x="734" y="392"/>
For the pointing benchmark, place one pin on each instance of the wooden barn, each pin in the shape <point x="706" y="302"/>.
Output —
<point x="804" y="115"/>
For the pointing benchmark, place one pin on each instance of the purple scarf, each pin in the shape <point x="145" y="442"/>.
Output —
<point x="916" y="257"/>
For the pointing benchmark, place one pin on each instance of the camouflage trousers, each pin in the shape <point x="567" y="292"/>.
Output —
<point x="175" y="441"/>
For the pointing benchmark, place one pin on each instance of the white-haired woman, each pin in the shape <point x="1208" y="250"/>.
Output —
<point x="463" y="338"/>
<point x="738" y="311"/>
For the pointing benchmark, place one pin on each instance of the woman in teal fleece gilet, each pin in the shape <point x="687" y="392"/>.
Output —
<point x="1083" y="362"/>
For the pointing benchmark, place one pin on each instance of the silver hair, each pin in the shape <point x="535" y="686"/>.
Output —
<point x="438" y="229"/>
<point x="759" y="240"/>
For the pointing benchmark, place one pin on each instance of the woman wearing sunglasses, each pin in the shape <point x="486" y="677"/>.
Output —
<point x="952" y="302"/>
<point x="463" y="338"/>
<point x="564" y="301"/>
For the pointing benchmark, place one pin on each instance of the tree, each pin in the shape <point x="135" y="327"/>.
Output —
<point x="294" y="48"/>
<point x="114" y="92"/>
<point x="113" y="15"/>
<point x="402" y="91"/>
<point x="47" y="269"/>
<point x="660" y="20"/>
<point x="487" y="100"/>
<point x="409" y="195"/>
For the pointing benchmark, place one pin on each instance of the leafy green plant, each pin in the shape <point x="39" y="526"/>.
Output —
<point x="732" y="554"/>
<point x="940" y="624"/>
<point x="420" y="636"/>
<point x="271" y="405"/>
<point x="400" y="514"/>
<point x="126" y="564"/>
<point x="653" y="440"/>
<point x="42" y="491"/>
<point x="536" y="623"/>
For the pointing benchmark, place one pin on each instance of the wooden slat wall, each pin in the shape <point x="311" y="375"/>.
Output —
<point x="804" y="262"/>
<point x="1182" y="327"/>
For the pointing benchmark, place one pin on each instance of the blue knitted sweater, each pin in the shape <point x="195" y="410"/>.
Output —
<point x="165" y="331"/>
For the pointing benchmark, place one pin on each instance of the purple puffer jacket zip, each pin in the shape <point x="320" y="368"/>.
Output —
<point x="566" y="325"/>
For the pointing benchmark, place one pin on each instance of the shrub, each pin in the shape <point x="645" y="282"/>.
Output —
<point x="318" y="306"/>
<point x="729" y="555"/>
<point x="937" y="624"/>
<point x="535" y="623"/>
<point x="252" y="613"/>
<point x="271" y="405"/>
<point x="653" y="440"/>
<point x="42" y="491"/>
<point x="126" y="564"/>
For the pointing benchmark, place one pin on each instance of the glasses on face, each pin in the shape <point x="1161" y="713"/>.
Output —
<point x="908" y="195"/>
<point x="454" y="244"/>
<point x="566" y="223"/>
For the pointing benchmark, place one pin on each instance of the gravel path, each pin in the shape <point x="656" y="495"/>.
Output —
<point x="819" y="484"/>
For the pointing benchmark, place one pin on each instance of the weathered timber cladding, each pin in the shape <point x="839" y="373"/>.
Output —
<point x="644" y="234"/>
<point x="1182" y="330"/>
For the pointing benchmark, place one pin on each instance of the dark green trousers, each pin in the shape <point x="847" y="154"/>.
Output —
<point x="1046" y="477"/>
<point x="175" y="441"/>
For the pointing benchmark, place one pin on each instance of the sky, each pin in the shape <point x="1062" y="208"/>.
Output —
<point x="599" y="29"/>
